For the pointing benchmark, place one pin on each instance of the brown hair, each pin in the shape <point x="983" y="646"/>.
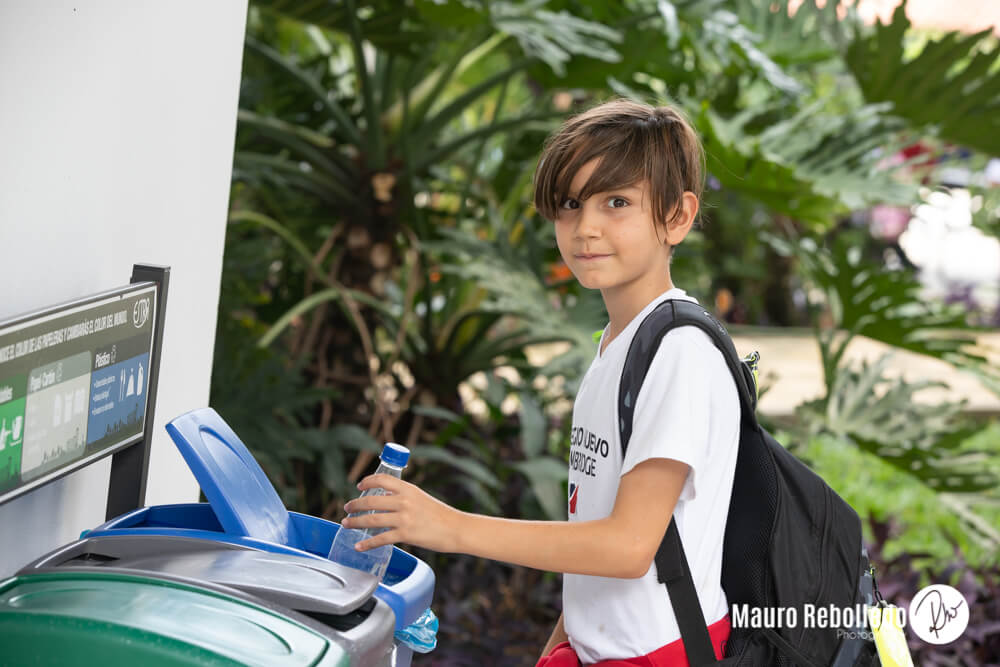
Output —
<point x="636" y="142"/>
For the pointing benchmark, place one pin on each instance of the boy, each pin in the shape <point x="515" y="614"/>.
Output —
<point x="621" y="183"/>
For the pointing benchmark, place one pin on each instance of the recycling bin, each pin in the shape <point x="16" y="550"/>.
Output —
<point x="244" y="510"/>
<point x="408" y="585"/>
<point x="95" y="617"/>
<point x="337" y="599"/>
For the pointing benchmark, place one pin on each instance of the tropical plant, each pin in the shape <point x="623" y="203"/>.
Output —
<point x="900" y="579"/>
<point x="341" y="156"/>
<point x="382" y="248"/>
<point x="387" y="278"/>
<point x="883" y="415"/>
<point x="950" y="88"/>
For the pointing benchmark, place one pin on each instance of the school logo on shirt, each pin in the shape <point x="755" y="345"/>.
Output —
<point x="582" y="444"/>
<point x="574" y="491"/>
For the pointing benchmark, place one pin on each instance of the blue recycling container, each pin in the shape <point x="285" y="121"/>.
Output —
<point x="243" y="508"/>
<point x="408" y="586"/>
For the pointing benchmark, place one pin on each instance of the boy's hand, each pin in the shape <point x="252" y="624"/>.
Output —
<point x="411" y="515"/>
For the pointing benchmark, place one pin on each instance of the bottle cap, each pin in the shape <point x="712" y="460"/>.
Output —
<point x="395" y="455"/>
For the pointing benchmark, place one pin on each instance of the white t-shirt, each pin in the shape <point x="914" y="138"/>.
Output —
<point x="688" y="410"/>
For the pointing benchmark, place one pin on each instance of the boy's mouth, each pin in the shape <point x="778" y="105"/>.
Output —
<point x="588" y="256"/>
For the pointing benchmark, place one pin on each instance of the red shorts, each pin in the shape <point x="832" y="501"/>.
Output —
<point x="671" y="655"/>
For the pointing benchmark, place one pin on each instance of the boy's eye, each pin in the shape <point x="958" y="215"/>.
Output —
<point x="617" y="202"/>
<point x="570" y="204"/>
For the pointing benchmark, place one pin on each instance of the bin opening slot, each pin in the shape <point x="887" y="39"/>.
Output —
<point x="343" y="622"/>
<point x="393" y="577"/>
<point x="90" y="559"/>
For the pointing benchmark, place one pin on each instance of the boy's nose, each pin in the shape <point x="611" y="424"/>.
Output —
<point x="588" y="224"/>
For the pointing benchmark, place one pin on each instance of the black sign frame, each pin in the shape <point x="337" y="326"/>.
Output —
<point x="130" y="458"/>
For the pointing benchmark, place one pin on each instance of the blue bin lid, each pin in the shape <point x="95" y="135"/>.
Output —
<point x="235" y="485"/>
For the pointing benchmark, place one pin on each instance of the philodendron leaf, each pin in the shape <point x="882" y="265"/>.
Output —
<point x="533" y="426"/>
<point x="952" y="85"/>
<point x="547" y="477"/>
<point x="883" y="415"/>
<point x="469" y="467"/>
<point x="554" y="37"/>
<point x="888" y="306"/>
<point x="352" y="436"/>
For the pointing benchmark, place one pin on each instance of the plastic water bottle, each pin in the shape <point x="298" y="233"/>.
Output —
<point x="374" y="561"/>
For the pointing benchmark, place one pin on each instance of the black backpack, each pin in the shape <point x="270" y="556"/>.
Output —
<point x="790" y="541"/>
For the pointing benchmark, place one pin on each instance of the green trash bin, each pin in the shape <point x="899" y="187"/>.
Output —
<point x="104" y="618"/>
<point x="328" y="597"/>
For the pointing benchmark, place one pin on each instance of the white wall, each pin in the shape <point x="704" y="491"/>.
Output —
<point x="117" y="121"/>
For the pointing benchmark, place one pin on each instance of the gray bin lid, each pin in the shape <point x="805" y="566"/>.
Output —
<point x="297" y="582"/>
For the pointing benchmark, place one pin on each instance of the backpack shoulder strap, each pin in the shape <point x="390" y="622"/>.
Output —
<point x="669" y="315"/>
<point x="672" y="568"/>
<point x="673" y="572"/>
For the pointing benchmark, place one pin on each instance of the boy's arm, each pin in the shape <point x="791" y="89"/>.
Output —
<point x="622" y="545"/>
<point x="558" y="636"/>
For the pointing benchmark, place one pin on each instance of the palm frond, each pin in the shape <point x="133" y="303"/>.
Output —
<point x="515" y="289"/>
<point x="388" y="24"/>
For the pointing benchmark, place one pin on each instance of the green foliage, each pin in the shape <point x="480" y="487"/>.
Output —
<point x="883" y="416"/>
<point x="866" y="300"/>
<point x="738" y="161"/>
<point x="489" y="450"/>
<point x="510" y="287"/>
<point x="382" y="251"/>
<point x="736" y="45"/>
<point x="929" y="526"/>
<point x="952" y="86"/>
<point x="268" y="404"/>
<point x="986" y="211"/>
<point x="841" y="153"/>
<point x="811" y="36"/>
<point x="811" y="166"/>
<point x="554" y="37"/>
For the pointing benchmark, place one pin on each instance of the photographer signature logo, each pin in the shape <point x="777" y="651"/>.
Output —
<point x="939" y="614"/>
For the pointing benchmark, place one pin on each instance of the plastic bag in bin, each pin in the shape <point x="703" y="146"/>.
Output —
<point x="421" y="635"/>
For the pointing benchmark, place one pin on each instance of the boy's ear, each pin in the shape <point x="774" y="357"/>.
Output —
<point x="683" y="219"/>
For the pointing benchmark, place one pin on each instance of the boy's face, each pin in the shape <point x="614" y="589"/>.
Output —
<point x="609" y="240"/>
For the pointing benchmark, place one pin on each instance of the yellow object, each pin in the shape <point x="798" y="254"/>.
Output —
<point x="752" y="360"/>
<point x="890" y="640"/>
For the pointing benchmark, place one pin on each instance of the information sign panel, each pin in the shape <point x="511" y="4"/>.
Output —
<point x="74" y="384"/>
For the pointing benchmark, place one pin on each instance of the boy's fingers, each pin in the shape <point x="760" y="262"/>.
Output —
<point x="388" y="537"/>
<point x="387" y="482"/>
<point x="379" y="520"/>
<point x="372" y="503"/>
